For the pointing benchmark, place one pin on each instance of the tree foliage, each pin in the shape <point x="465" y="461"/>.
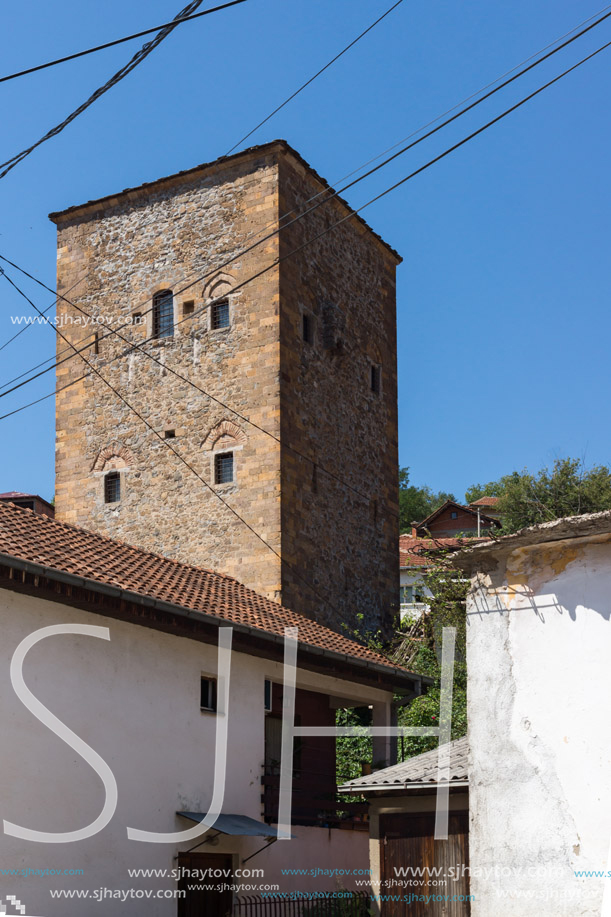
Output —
<point x="568" y="489"/>
<point x="416" y="503"/>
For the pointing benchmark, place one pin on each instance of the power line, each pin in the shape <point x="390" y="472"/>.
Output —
<point x="401" y="152"/>
<point x="118" y="76"/>
<point x="355" y="212"/>
<point x="118" y="41"/>
<point x="178" y="455"/>
<point x="312" y="78"/>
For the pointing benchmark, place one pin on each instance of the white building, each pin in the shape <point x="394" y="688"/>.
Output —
<point x="148" y="701"/>
<point x="538" y="652"/>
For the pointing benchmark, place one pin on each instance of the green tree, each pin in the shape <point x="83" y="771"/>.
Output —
<point x="568" y="489"/>
<point x="416" y="503"/>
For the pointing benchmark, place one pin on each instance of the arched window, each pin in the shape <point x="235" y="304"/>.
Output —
<point x="163" y="314"/>
<point x="112" y="487"/>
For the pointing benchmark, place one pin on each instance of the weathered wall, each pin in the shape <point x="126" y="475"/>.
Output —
<point x="337" y="535"/>
<point x="539" y="643"/>
<point x="135" y="701"/>
<point x="340" y="508"/>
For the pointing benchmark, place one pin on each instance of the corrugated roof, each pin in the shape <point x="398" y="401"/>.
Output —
<point x="418" y="770"/>
<point x="27" y="536"/>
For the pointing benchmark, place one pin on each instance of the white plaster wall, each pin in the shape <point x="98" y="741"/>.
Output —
<point x="539" y="657"/>
<point x="135" y="700"/>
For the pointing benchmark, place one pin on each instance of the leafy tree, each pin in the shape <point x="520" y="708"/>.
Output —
<point x="416" y="503"/>
<point x="568" y="489"/>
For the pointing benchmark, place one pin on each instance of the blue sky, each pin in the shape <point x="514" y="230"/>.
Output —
<point x="503" y="296"/>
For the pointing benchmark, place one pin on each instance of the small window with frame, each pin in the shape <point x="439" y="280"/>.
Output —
<point x="219" y="315"/>
<point x="307" y="327"/>
<point x="223" y="468"/>
<point x="376" y="378"/>
<point x="112" y="487"/>
<point x="208" y="694"/>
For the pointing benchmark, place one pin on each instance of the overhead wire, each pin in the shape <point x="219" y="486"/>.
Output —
<point x="118" y="41"/>
<point x="368" y="203"/>
<point x="401" y="152"/>
<point x="137" y="59"/>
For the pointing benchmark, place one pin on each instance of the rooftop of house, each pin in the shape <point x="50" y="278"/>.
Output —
<point x="45" y="547"/>
<point x="415" y="772"/>
<point x="485" y="501"/>
<point x="188" y="174"/>
<point x="487" y="556"/>
<point x="419" y="552"/>
<point x="489" y="521"/>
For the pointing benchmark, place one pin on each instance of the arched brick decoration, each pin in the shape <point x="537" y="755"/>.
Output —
<point x="113" y="458"/>
<point x="225" y="435"/>
<point x="218" y="286"/>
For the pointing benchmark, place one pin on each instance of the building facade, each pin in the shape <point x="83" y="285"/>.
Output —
<point x="141" y="685"/>
<point x="292" y="427"/>
<point x="538" y="649"/>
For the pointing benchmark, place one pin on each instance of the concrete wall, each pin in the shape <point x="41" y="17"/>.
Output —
<point x="539" y="644"/>
<point x="135" y="700"/>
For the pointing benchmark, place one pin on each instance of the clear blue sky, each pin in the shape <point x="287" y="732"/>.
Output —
<point x="505" y="288"/>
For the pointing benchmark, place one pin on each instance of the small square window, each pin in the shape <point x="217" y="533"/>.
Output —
<point x="137" y="318"/>
<point x="307" y="328"/>
<point x="112" y="487"/>
<point x="220" y="315"/>
<point x="223" y="468"/>
<point x="376" y="378"/>
<point x="453" y="515"/>
<point x="188" y="308"/>
<point x="169" y="434"/>
<point x="208" y="694"/>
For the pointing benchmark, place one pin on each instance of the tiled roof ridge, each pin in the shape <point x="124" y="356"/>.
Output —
<point x="321" y="636"/>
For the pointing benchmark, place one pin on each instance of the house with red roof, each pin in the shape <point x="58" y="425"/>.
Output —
<point x="139" y="695"/>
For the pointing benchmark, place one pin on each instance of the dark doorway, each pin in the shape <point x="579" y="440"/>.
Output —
<point x="205" y="897"/>
<point x="408" y="841"/>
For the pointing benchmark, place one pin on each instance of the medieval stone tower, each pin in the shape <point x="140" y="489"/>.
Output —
<point x="293" y="426"/>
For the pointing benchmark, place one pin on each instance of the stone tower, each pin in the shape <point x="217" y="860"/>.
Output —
<point x="295" y="430"/>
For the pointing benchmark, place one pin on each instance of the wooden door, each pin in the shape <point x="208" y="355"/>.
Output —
<point x="408" y="841"/>
<point x="200" y="901"/>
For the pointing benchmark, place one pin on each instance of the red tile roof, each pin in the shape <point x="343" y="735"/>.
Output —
<point x="416" y="552"/>
<point x="27" y="536"/>
<point x="485" y="501"/>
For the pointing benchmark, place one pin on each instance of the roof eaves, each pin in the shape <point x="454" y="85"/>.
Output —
<point x="395" y="673"/>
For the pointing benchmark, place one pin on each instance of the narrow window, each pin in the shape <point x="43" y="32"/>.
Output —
<point x="188" y="308"/>
<point x="208" y="694"/>
<point x="268" y="696"/>
<point x="96" y="342"/>
<point x="307" y="328"/>
<point x="376" y="376"/>
<point x="112" y="487"/>
<point x="163" y="314"/>
<point x="223" y="468"/>
<point x="220" y="315"/>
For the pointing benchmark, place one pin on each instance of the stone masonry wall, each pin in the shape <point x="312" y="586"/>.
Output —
<point x="338" y="531"/>
<point x="340" y="494"/>
<point x="113" y="260"/>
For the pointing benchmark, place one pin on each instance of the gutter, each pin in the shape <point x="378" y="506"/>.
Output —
<point x="407" y="785"/>
<point x="72" y="579"/>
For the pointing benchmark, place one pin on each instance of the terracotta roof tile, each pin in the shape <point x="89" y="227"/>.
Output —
<point x="27" y="536"/>
<point x="416" y="552"/>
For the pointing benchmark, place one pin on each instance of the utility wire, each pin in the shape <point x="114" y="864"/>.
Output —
<point x="410" y="146"/>
<point x="373" y="200"/>
<point x="179" y="456"/>
<point x="118" y="41"/>
<point x="312" y="78"/>
<point x="118" y="76"/>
